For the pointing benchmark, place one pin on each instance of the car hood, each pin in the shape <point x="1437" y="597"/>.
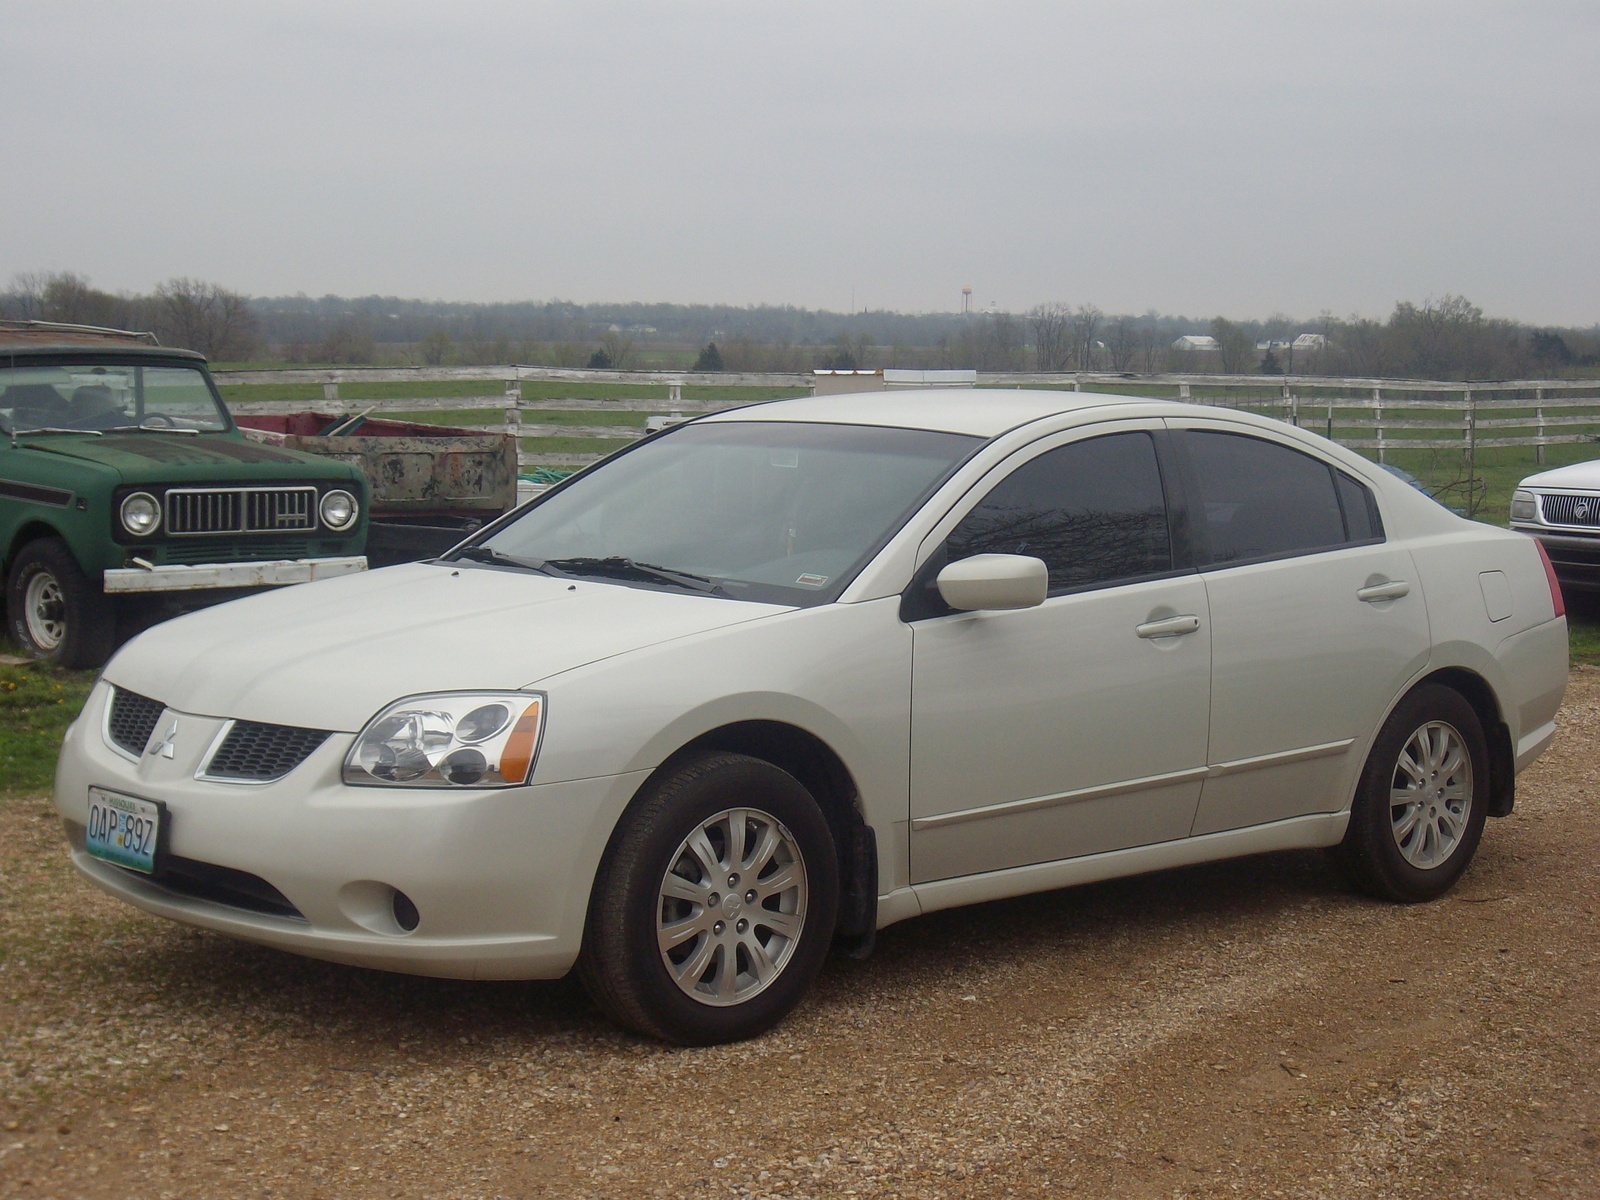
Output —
<point x="328" y="655"/>
<point x="1584" y="476"/>
<point x="175" y="458"/>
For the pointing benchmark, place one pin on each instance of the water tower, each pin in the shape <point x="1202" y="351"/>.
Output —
<point x="966" y="301"/>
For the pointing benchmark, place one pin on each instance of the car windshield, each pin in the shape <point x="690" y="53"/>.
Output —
<point x="772" y="511"/>
<point x="104" y="396"/>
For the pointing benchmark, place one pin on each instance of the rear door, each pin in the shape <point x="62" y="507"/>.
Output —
<point x="1317" y="623"/>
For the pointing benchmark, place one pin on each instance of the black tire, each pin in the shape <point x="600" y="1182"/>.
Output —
<point x="1384" y="855"/>
<point x="53" y="610"/>
<point x="623" y="963"/>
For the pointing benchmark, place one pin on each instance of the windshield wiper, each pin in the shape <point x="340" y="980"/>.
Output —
<point x="55" y="429"/>
<point x="152" y="429"/>
<point x="617" y="567"/>
<point x="486" y="554"/>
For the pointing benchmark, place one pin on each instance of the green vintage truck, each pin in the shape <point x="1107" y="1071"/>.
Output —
<point x="127" y="492"/>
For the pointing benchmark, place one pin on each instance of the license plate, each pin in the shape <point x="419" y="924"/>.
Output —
<point x="123" y="830"/>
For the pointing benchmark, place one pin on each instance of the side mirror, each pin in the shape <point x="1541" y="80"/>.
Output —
<point x="997" y="581"/>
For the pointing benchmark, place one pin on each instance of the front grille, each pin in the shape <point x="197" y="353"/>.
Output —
<point x="240" y="510"/>
<point x="254" y="752"/>
<point x="1570" y="510"/>
<point x="132" y="719"/>
<point x="224" y="885"/>
<point x="198" y="551"/>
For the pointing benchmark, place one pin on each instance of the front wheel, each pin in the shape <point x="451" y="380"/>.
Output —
<point x="1419" y="812"/>
<point x="54" y="611"/>
<point x="715" y="904"/>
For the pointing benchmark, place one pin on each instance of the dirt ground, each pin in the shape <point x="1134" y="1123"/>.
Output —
<point x="1245" y="1029"/>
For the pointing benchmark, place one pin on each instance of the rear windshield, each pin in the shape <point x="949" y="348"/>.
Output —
<point x="102" y="396"/>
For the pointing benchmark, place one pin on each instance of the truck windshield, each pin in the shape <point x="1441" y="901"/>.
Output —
<point x="103" y="396"/>
<point x="780" y="512"/>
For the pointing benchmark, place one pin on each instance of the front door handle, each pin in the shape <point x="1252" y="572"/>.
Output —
<point x="1168" y="627"/>
<point x="1389" y="590"/>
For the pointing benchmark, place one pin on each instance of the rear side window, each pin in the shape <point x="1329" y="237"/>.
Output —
<point x="1258" y="499"/>
<point x="1094" y="511"/>
<point x="1361" y="520"/>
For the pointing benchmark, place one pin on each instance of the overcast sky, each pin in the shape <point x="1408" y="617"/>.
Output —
<point x="1219" y="157"/>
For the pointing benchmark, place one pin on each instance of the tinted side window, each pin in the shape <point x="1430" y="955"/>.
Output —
<point x="1258" y="499"/>
<point x="1094" y="511"/>
<point x="1361" y="520"/>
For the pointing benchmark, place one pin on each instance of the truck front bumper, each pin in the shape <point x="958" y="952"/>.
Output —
<point x="206" y="576"/>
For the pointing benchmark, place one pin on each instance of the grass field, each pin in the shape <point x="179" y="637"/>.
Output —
<point x="36" y="706"/>
<point x="311" y="393"/>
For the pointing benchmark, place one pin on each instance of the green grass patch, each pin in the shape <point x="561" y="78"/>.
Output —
<point x="572" y="445"/>
<point x="1583" y="632"/>
<point x="37" y="703"/>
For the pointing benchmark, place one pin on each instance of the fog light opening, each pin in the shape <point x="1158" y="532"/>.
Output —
<point x="405" y="912"/>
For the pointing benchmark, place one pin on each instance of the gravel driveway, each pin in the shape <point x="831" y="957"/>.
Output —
<point x="1242" y="1029"/>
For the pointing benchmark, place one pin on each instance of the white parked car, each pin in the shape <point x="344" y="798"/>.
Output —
<point x="1562" y="509"/>
<point x="779" y="677"/>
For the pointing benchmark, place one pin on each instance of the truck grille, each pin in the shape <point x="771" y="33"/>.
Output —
<point x="240" y="510"/>
<point x="1570" y="510"/>
<point x="254" y="752"/>
<point x="190" y="553"/>
<point x="132" y="720"/>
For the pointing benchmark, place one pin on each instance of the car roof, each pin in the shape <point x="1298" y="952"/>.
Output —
<point x="31" y="338"/>
<point x="983" y="412"/>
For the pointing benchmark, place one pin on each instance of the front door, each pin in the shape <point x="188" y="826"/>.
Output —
<point x="1078" y="726"/>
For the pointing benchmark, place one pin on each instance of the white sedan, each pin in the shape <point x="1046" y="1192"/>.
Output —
<point x="776" y="678"/>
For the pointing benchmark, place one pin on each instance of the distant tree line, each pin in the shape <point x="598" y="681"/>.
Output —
<point x="1444" y="338"/>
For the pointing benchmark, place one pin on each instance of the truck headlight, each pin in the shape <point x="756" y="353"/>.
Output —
<point x="338" y="510"/>
<point x="141" y="514"/>
<point x="450" y="739"/>
<point x="1523" y="506"/>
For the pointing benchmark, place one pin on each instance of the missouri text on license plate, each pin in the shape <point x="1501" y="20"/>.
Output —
<point x="123" y="830"/>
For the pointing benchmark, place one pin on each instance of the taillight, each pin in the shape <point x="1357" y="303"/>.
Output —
<point x="1550" y="575"/>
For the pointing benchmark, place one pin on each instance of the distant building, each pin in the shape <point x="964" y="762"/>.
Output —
<point x="1272" y="344"/>
<point x="1311" y="341"/>
<point x="1202" y="342"/>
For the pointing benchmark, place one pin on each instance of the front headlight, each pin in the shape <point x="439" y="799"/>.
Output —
<point x="452" y="739"/>
<point x="141" y="514"/>
<point x="1523" y="506"/>
<point x="338" y="510"/>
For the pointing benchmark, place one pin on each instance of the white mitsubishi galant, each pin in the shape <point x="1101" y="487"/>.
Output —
<point x="776" y="678"/>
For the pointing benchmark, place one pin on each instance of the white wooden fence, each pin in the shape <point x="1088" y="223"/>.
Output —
<point x="1368" y="414"/>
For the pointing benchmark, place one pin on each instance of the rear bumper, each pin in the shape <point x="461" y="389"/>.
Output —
<point x="206" y="576"/>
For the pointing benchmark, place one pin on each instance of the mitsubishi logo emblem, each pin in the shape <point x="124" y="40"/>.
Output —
<point x="164" y="746"/>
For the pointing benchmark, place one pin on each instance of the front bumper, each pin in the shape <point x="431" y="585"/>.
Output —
<point x="1575" y="558"/>
<point x="500" y="878"/>
<point x="205" y="576"/>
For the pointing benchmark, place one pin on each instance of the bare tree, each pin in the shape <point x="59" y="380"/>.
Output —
<point x="1150" y="347"/>
<point x="1050" y="343"/>
<point x="25" y="300"/>
<point x="205" y="317"/>
<point x="1121" y="342"/>
<point x="1000" y="343"/>
<point x="1238" y="349"/>
<point x="1085" y="323"/>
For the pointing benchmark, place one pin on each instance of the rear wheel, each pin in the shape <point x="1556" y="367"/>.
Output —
<point x="715" y="905"/>
<point x="1419" y="813"/>
<point x="54" y="611"/>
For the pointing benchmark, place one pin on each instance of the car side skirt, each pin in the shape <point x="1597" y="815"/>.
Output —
<point x="1295" y="833"/>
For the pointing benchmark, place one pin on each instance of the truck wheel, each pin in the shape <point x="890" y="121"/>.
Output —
<point x="55" y="613"/>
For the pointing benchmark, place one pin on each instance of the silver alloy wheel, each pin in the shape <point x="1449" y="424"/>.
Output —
<point x="1430" y="796"/>
<point x="44" y="607"/>
<point x="732" y="906"/>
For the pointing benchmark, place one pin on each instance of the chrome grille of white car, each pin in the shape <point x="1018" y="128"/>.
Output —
<point x="240" y="510"/>
<point x="1570" y="510"/>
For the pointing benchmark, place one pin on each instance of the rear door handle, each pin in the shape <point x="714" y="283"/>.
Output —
<point x="1168" y="627"/>
<point x="1392" y="590"/>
